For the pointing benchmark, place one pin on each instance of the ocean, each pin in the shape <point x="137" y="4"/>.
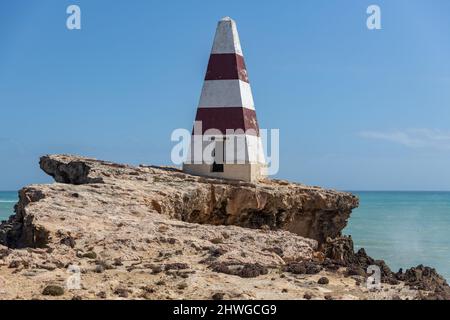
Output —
<point x="403" y="228"/>
<point x="7" y="201"/>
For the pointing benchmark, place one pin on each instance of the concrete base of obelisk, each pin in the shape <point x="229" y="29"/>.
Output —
<point x="249" y="172"/>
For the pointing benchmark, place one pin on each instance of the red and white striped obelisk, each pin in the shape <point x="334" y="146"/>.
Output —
<point x="225" y="140"/>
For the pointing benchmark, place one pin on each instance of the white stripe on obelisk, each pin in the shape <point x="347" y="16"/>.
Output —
<point x="226" y="93"/>
<point x="226" y="39"/>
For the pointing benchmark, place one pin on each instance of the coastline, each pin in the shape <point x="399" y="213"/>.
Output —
<point x="126" y="226"/>
<point x="404" y="227"/>
<point x="377" y="242"/>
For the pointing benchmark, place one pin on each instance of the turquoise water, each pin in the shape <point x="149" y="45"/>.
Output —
<point x="7" y="201"/>
<point x="403" y="228"/>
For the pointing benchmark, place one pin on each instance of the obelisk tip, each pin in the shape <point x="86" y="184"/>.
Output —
<point x="226" y="19"/>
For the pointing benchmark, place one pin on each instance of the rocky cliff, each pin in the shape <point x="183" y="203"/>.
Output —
<point x="157" y="233"/>
<point x="114" y="189"/>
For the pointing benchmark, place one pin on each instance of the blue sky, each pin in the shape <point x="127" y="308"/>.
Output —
<point x="357" y="109"/>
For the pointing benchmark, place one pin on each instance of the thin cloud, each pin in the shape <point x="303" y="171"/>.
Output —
<point x="412" y="138"/>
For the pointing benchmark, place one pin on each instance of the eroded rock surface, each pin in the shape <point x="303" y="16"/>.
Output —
<point x="307" y="211"/>
<point x="156" y="233"/>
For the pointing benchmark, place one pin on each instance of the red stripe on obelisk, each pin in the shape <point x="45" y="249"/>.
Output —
<point x="226" y="66"/>
<point x="228" y="118"/>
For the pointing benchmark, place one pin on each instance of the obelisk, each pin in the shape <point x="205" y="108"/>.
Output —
<point x="226" y="140"/>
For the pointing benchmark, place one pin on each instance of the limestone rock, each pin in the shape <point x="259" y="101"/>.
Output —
<point x="156" y="233"/>
<point x="307" y="211"/>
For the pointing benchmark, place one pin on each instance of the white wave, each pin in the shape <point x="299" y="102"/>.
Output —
<point x="8" y="201"/>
